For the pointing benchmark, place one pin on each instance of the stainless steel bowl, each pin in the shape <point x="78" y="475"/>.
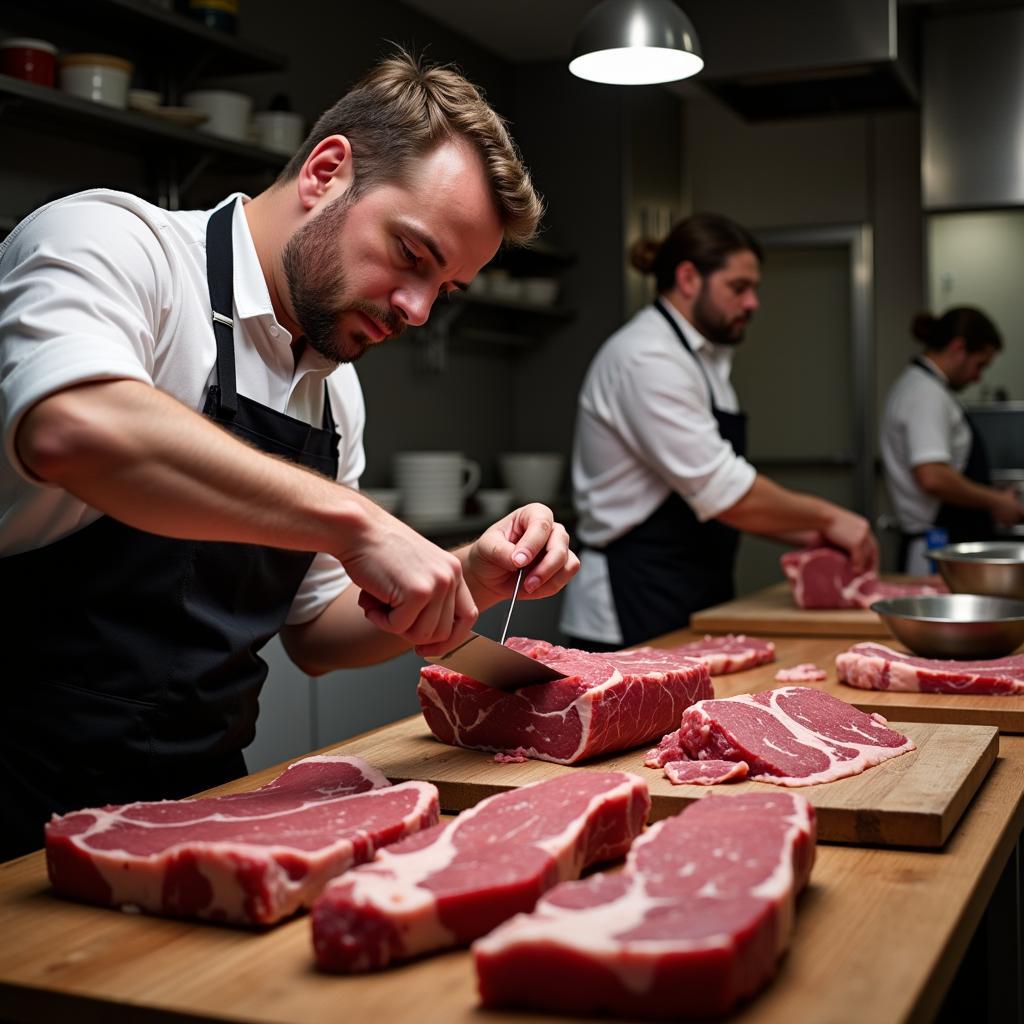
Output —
<point x="993" y="567"/>
<point x="961" y="626"/>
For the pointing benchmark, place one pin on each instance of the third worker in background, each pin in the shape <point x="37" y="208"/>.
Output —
<point x="659" y="475"/>
<point x="935" y="463"/>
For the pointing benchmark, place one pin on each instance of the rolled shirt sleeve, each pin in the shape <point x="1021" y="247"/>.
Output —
<point x="72" y="310"/>
<point x="665" y="414"/>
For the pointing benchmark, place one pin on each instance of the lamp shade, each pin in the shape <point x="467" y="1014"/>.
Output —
<point x="635" y="42"/>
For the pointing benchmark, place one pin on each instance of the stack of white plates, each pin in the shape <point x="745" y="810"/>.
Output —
<point x="434" y="485"/>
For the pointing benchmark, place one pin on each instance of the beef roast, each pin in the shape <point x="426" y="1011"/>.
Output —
<point x="249" y="858"/>
<point x="605" y="703"/>
<point x="823" y="578"/>
<point x="695" y="923"/>
<point x="877" y="667"/>
<point x="450" y="884"/>
<point x="790" y="736"/>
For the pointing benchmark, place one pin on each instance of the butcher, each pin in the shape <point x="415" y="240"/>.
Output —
<point x="183" y="440"/>
<point x="659" y="474"/>
<point x="936" y="467"/>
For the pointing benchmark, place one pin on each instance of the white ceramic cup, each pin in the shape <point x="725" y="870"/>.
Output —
<point x="533" y="476"/>
<point x="278" y="130"/>
<point x="99" y="77"/>
<point x="434" y="485"/>
<point x="495" y="502"/>
<point x="227" y="112"/>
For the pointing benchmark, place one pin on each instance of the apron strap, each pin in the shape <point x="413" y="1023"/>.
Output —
<point x="220" y="277"/>
<point x="660" y="307"/>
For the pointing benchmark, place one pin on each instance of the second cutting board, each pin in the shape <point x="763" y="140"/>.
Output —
<point x="912" y="800"/>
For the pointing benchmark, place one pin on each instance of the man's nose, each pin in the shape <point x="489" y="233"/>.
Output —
<point x="413" y="305"/>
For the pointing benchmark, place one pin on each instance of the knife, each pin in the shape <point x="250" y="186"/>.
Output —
<point x="494" y="664"/>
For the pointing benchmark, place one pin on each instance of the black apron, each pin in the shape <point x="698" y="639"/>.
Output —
<point x="672" y="565"/>
<point x="960" y="523"/>
<point x="136" y="671"/>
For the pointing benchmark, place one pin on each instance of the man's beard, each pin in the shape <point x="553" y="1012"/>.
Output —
<point x="316" y="285"/>
<point x="715" y="327"/>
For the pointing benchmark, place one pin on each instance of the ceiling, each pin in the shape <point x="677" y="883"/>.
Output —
<point x="517" y="30"/>
<point x="534" y="30"/>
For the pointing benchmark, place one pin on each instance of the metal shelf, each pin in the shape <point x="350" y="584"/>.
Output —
<point x="42" y="108"/>
<point x="139" y="27"/>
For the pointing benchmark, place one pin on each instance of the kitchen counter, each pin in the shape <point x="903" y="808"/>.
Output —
<point x="879" y="934"/>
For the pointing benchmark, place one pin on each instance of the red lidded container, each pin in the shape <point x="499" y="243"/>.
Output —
<point x="32" y="60"/>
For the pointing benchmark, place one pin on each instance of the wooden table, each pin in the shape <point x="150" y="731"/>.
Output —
<point x="878" y="937"/>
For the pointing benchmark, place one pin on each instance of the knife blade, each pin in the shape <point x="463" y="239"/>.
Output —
<point x="495" y="665"/>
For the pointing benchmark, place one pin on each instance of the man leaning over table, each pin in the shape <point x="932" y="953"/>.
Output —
<point x="183" y="442"/>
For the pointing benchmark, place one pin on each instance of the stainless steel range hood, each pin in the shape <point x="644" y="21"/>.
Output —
<point x="795" y="58"/>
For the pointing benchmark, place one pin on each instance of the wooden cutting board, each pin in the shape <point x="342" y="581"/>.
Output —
<point x="911" y="800"/>
<point x="771" y="611"/>
<point x="1004" y="712"/>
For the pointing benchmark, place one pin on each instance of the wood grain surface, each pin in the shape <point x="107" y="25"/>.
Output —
<point x="878" y="936"/>
<point x="911" y="800"/>
<point x="772" y="612"/>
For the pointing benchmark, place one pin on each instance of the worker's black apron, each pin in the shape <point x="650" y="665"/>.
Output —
<point x="672" y="565"/>
<point x="960" y="523"/>
<point x="136" y="672"/>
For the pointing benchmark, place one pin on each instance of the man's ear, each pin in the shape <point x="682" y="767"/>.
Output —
<point x="957" y="346"/>
<point x="327" y="172"/>
<point x="688" y="279"/>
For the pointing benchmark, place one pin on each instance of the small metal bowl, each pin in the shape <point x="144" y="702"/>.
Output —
<point x="963" y="626"/>
<point x="993" y="567"/>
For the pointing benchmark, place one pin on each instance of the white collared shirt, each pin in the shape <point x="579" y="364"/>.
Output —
<point x="104" y="286"/>
<point x="923" y="422"/>
<point x="645" y="428"/>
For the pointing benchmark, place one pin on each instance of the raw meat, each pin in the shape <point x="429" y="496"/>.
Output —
<point x="695" y="923"/>
<point x="606" y="703"/>
<point x="249" y="858"/>
<point x="791" y="736"/>
<point x="516" y="757"/>
<point x="705" y="773"/>
<point x="823" y="578"/>
<point x="808" y="672"/>
<point x="876" y="667"/>
<point x="724" y="654"/>
<point x="667" y="750"/>
<point x="453" y="883"/>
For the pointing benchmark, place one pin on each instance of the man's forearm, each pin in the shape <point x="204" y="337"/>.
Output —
<point x="942" y="481"/>
<point x="145" y="459"/>
<point x="777" y="512"/>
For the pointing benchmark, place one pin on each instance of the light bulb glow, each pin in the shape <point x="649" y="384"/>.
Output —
<point x="636" y="65"/>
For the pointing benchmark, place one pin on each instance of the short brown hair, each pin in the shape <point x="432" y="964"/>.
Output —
<point x="405" y="107"/>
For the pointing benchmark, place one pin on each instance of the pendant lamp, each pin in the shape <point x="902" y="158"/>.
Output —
<point x="635" y="42"/>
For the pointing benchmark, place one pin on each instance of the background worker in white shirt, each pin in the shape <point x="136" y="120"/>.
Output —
<point x="936" y="467"/>
<point x="183" y="441"/>
<point x="659" y="478"/>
